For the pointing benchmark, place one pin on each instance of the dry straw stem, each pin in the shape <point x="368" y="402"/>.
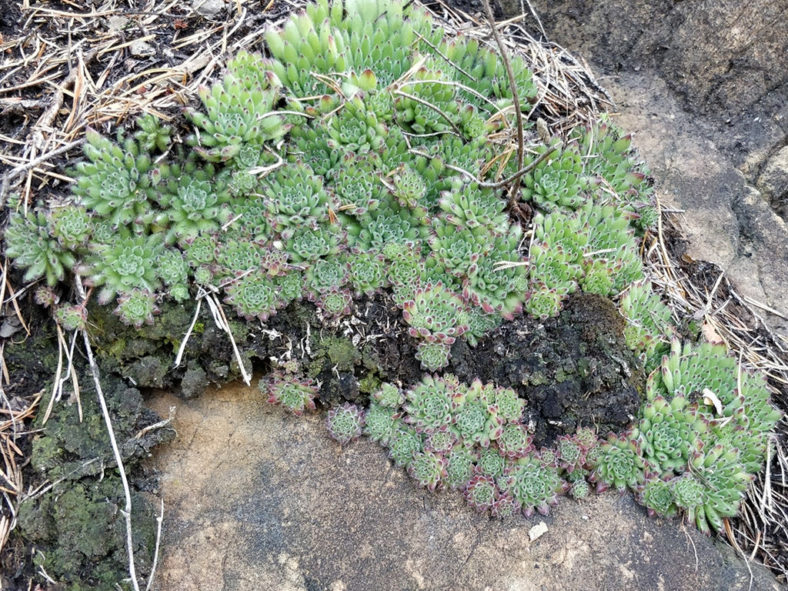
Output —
<point x="514" y="189"/>
<point x="126" y="511"/>
<point x="67" y="69"/>
<point x="13" y="414"/>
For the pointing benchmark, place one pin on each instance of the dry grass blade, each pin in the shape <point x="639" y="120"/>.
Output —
<point x="11" y="482"/>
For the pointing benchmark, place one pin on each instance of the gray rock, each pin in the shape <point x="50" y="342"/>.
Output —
<point x="725" y="220"/>
<point x="719" y="58"/>
<point x="208" y="8"/>
<point x="773" y="182"/>
<point x="140" y="48"/>
<point x="259" y="499"/>
<point x="117" y="23"/>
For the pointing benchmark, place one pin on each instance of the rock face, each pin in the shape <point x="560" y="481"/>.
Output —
<point x="773" y="182"/>
<point x="259" y="499"/>
<point x="721" y="59"/>
<point x="704" y="87"/>
<point x="726" y="219"/>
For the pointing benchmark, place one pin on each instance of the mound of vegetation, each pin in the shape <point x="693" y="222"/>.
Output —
<point x="363" y="183"/>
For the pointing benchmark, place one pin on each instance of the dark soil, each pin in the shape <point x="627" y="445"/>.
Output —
<point x="574" y="370"/>
<point x="69" y="521"/>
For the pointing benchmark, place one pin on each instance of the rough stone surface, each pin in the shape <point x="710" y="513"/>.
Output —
<point x="773" y="182"/>
<point x="259" y="499"/>
<point x="723" y="60"/>
<point x="208" y="8"/>
<point x="725" y="219"/>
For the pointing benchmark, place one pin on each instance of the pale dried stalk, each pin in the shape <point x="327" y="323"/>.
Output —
<point x="515" y="99"/>
<point x="126" y="512"/>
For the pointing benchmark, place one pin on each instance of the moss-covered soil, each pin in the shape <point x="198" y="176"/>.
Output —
<point x="70" y="525"/>
<point x="573" y="370"/>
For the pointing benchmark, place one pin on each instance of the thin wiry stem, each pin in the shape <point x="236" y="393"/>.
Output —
<point x="22" y="168"/>
<point x="515" y="99"/>
<point x="459" y="85"/>
<point x="94" y="370"/>
<point x="159" y="521"/>
<point x="429" y="105"/>
<point x="440" y="53"/>
<point x="498" y="184"/>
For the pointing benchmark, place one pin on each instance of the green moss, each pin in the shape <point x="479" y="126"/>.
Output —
<point x="369" y="383"/>
<point x="342" y="353"/>
<point x="80" y="533"/>
<point x="70" y="448"/>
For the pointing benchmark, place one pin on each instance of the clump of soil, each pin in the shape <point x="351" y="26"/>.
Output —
<point x="574" y="370"/>
<point x="79" y="532"/>
<point x="69" y="519"/>
<point x="74" y="442"/>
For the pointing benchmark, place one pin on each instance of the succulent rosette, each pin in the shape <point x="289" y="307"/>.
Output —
<point x="620" y="464"/>
<point x="656" y="494"/>
<point x="435" y="314"/>
<point x="295" y="394"/>
<point x="380" y="422"/>
<point x="515" y="441"/>
<point x="429" y="403"/>
<point x="345" y="422"/>
<point x="668" y="431"/>
<point x="533" y="485"/>
<point x="481" y="492"/>
<point x="712" y="488"/>
<point x="428" y="469"/>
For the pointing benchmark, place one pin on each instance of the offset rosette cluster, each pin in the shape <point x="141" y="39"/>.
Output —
<point x="239" y="110"/>
<point x="436" y="317"/>
<point x="649" y="327"/>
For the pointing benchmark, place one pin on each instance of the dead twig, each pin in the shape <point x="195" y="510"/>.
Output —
<point x="126" y="512"/>
<point x="497" y="184"/>
<point x="514" y="189"/>
<point x="19" y="170"/>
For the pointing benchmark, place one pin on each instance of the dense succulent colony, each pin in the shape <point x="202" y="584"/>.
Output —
<point x="311" y="167"/>
<point x="360" y="159"/>
<point x="471" y="438"/>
